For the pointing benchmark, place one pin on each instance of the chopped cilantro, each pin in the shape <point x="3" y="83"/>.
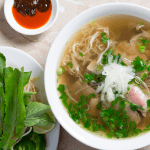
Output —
<point x="100" y="78"/>
<point x="105" y="39"/>
<point x="140" y="107"/>
<point x="148" y="103"/>
<point x="111" y="52"/>
<point x="103" y="34"/>
<point x="70" y="91"/>
<point x="99" y="67"/>
<point x="128" y="88"/>
<point x="90" y="77"/>
<point x="148" y="68"/>
<point x="64" y="96"/>
<point x="60" y="70"/>
<point x="117" y="123"/>
<point x="130" y="82"/>
<point x="145" y="41"/>
<point x="113" y="103"/>
<point x="144" y="76"/>
<point x="70" y="64"/>
<point x="82" y="101"/>
<point x="99" y="106"/>
<point x="139" y="64"/>
<point x="92" y="95"/>
<point x="84" y="81"/>
<point x="133" y="107"/>
<point x="147" y="61"/>
<point x="81" y="54"/>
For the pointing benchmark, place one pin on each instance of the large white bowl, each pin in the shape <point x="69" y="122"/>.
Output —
<point x="13" y="23"/>
<point x="50" y="77"/>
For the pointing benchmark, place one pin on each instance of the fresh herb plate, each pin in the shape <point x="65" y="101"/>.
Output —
<point x="17" y="58"/>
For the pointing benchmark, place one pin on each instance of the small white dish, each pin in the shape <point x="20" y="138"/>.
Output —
<point x="13" y="23"/>
<point x="17" y="58"/>
<point x="53" y="60"/>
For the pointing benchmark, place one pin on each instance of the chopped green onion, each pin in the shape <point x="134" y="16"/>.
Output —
<point x="99" y="67"/>
<point x="105" y="39"/>
<point x="142" y="49"/>
<point x="128" y="88"/>
<point x="57" y="80"/>
<point x="138" y="43"/>
<point x="81" y="54"/>
<point x="139" y="64"/>
<point x="90" y="77"/>
<point x="140" y="38"/>
<point x="103" y="34"/>
<point x="145" y="41"/>
<point x="99" y="106"/>
<point x="93" y="23"/>
<point x="144" y="76"/>
<point x="148" y="68"/>
<point x="141" y="23"/>
<point x="60" y="71"/>
<point x="133" y="107"/>
<point x="70" y="64"/>
<point x="148" y="103"/>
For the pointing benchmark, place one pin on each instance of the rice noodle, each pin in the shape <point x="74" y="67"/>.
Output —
<point x="93" y="38"/>
<point x="138" y="27"/>
<point x="100" y="57"/>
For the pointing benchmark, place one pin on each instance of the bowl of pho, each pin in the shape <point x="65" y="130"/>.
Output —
<point x="98" y="85"/>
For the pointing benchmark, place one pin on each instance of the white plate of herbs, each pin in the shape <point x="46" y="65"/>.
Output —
<point x="26" y="120"/>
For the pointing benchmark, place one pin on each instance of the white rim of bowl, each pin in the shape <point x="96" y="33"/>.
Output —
<point x="37" y="30"/>
<point x="70" y="130"/>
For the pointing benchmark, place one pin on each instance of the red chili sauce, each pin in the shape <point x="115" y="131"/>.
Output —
<point x="32" y="14"/>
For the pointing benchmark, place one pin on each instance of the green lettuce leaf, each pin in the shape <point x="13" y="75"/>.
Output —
<point x="2" y="98"/>
<point x="20" y="105"/>
<point x="11" y="96"/>
<point x="26" y="77"/>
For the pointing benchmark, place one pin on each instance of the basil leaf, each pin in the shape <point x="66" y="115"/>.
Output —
<point x="29" y="122"/>
<point x="35" y="109"/>
<point x="34" y="113"/>
<point x="45" y="120"/>
<point x="2" y="98"/>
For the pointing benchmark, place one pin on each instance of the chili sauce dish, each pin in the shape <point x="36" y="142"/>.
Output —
<point x="100" y="77"/>
<point x="31" y="17"/>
